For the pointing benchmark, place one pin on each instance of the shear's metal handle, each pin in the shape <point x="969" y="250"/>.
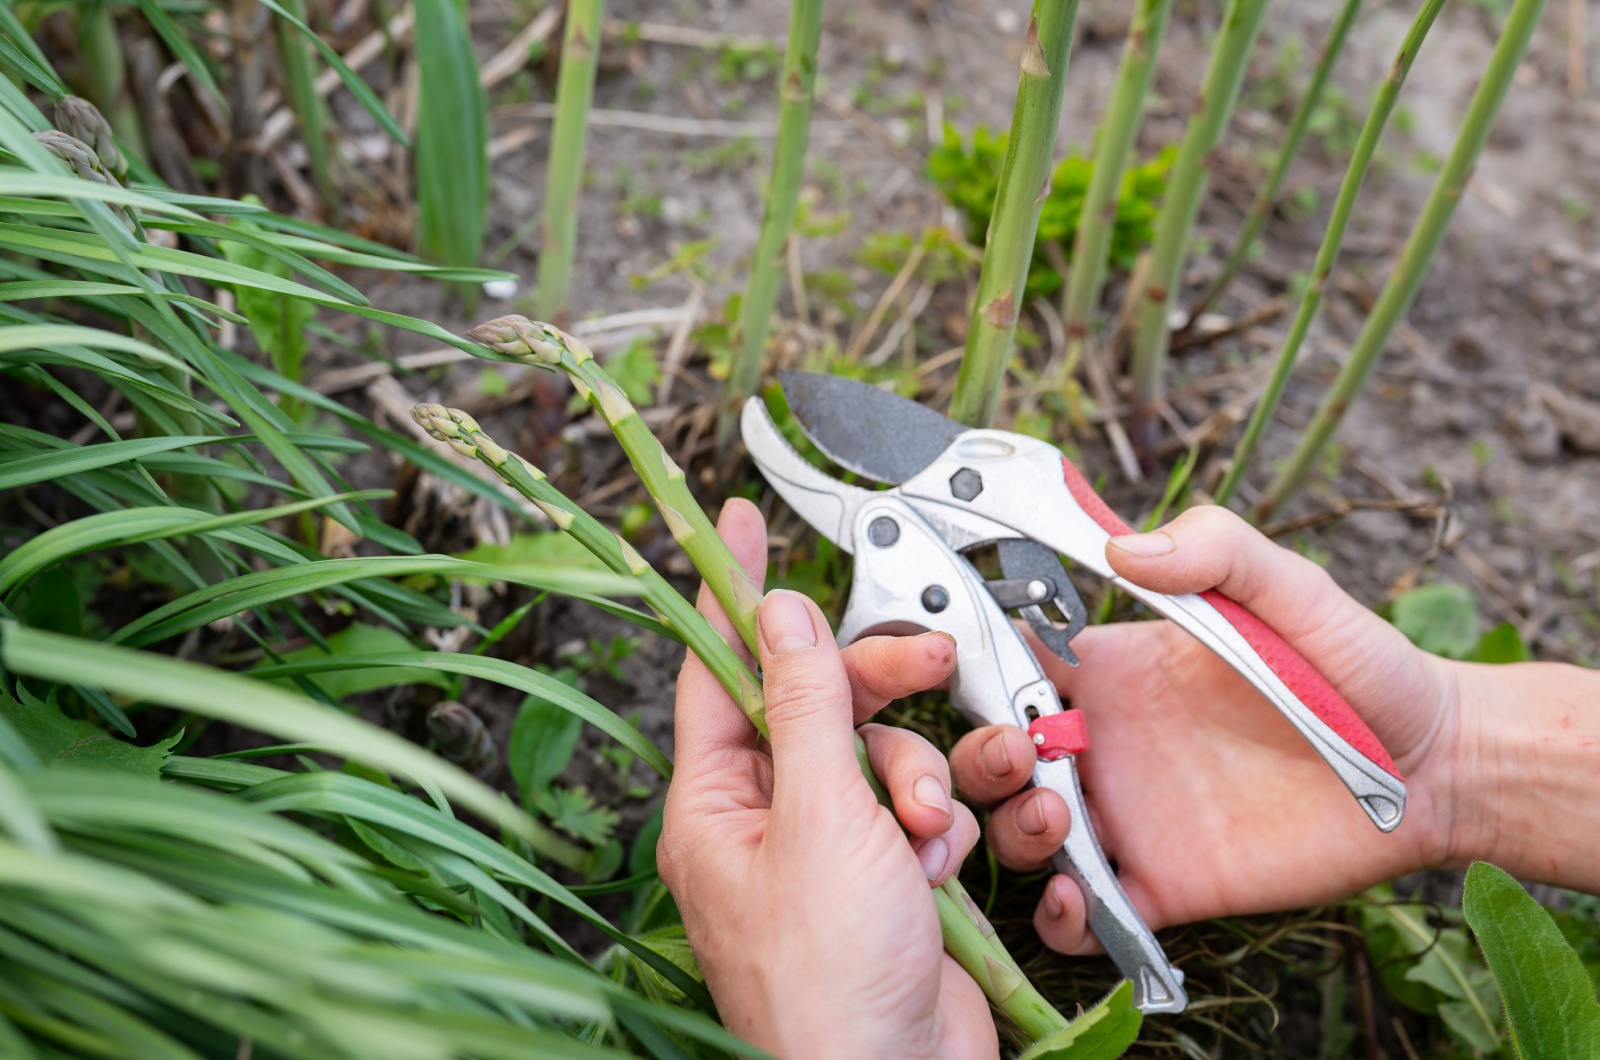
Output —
<point x="1076" y="523"/>
<point x="906" y="575"/>
<point x="1157" y="985"/>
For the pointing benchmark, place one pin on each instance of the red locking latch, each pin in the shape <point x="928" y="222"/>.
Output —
<point x="1058" y="735"/>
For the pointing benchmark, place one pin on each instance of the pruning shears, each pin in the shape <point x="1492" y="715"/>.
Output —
<point x="955" y="490"/>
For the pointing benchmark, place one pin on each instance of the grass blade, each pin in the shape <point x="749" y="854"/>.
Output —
<point x="452" y="150"/>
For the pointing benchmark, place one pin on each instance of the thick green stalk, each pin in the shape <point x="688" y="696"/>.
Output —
<point x="1267" y="195"/>
<point x="796" y="91"/>
<point x="105" y="72"/>
<point x="1113" y="148"/>
<point x="294" y="51"/>
<point x="1230" y="55"/>
<point x="1424" y="241"/>
<point x="580" y="58"/>
<point x="1328" y="254"/>
<point x="462" y="433"/>
<point x="739" y="595"/>
<point x="545" y="344"/>
<point x="971" y="940"/>
<point x="1024" y="185"/>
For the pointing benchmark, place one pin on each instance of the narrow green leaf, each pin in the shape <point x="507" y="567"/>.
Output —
<point x="1102" y="1033"/>
<point x="183" y="49"/>
<point x="61" y="463"/>
<point x="352" y="80"/>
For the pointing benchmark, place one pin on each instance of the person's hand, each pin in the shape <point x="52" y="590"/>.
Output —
<point x="1203" y="796"/>
<point x="807" y="907"/>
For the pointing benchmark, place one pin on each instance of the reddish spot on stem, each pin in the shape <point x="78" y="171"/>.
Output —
<point x="1001" y="311"/>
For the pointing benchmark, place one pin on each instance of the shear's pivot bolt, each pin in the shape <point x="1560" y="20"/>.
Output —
<point x="935" y="599"/>
<point x="966" y="484"/>
<point x="883" y="531"/>
<point x="1038" y="590"/>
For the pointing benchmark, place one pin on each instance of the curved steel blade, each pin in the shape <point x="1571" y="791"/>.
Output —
<point x="870" y="431"/>
<point x="824" y="502"/>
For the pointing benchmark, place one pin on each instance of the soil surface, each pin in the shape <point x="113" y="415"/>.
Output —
<point x="1486" y="405"/>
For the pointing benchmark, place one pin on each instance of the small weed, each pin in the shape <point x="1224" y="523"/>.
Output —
<point x="968" y="175"/>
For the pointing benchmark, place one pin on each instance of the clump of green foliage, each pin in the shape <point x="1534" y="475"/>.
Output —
<point x="967" y="174"/>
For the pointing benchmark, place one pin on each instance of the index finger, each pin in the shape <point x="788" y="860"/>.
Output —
<point x="707" y="722"/>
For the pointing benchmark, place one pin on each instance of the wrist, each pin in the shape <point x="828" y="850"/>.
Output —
<point x="1524" y="789"/>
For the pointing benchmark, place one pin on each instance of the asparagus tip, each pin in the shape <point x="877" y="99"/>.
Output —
<point x="529" y="340"/>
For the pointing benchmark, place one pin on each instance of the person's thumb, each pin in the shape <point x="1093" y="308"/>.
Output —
<point x="1364" y="657"/>
<point x="808" y="701"/>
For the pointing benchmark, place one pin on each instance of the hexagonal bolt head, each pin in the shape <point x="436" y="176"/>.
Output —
<point x="966" y="484"/>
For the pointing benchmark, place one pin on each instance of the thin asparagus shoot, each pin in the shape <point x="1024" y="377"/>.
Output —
<point x="547" y="345"/>
<point x="1219" y="92"/>
<point x="1328" y="254"/>
<point x="740" y="596"/>
<point x="462" y="433"/>
<point x="580" y="58"/>
<point x="1024" y="185"/>
<point x="1420" y="247"/>
<point x="1119" y="129"/>
<point x="1267" y="195"/>
<point x="796" y="93"/>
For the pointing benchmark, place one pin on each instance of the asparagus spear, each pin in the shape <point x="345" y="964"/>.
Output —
<point x="547" y="345"/>
<point x="967" y="935"/>
<point x="462" y="433"/>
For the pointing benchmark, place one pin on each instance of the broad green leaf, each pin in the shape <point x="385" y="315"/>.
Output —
<point x="543" y="739"/>
<point x="277" y="321"/>
<point x="1428" y="968"/>
<point x="58" y="740"/>
<point x="1550" y="1005"/>
<point x="1502" y="644"/>
<point x="1440" y="618"/>
<point x="359" y="638"/>
<point x="1102" y="1033"/>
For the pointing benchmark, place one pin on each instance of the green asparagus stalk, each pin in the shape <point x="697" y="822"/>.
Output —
<point x="1267" y="195"/>
<point x="1423" y="243"/>
<point x="976" y="949"/>
<point x="462" y="433"/>
<point x="1091" y="247"/>
<point x="544" y="344"/>
<point x="1219" y="93"/>
<point x="796" y="92"/>
<point x="580" y="58"/>
<point x="1024" y="185"/>
<point x="1328" y="254"/>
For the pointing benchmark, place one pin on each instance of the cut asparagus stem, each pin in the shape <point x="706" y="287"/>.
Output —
<point x="545" y="344"/>
<point x="1418" y="254"/>
<point x="796" y="92"/>
<point x="1267" y="195"/>
<point x="580" y="58"/>
<point x="1230" y="56"/>
<point x="1113" y="147"/>
<point x="462" y="433"/>
<point x="1024" y="185"/>
<point x="548" y="346"/>
<point x="1328" y="254"/>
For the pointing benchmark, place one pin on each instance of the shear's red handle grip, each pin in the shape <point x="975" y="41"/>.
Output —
<point x="1298" y="676"/>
